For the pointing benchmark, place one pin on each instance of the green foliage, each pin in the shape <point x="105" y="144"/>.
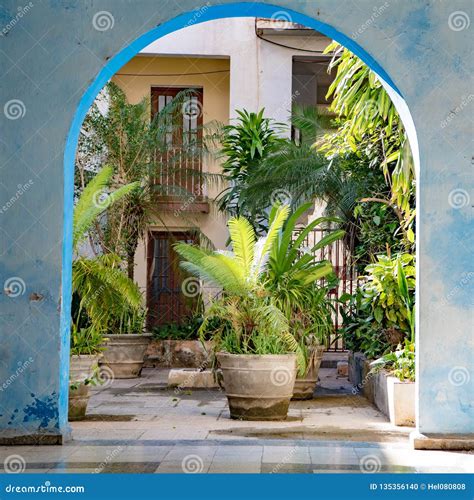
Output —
<point x="129" y="319"/>
<point x="390" y="287"/>
<point x="125" y="138"/>
<point x="400" y="362"/>
<point x="101" y="291"/>
<point x="94" y="200"/>
<point x="370" y="125"/>
<point x="245" y="319"/>
<point x="188" y="329"/>
<point x="293" y="278"/>
<point x="304" y="173"/>
<point x="377" y="229"/>
<point x="86" y="341"/>
<point x="382" y="310"/>
<point x="243" y="146"/>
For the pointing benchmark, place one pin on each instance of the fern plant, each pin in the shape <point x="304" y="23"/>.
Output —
<point x="294" y="280"/>
<point x="101" y="290"/>
<point x="249" y="320"/>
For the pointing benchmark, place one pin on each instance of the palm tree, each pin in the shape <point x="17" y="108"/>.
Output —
<point x="294" y="280"/>
<point x="101" y="290"/>
<point x="249" y="320"/>
<point x="138" y="149"/>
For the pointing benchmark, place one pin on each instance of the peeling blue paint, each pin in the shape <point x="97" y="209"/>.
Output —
<point x="43" y="411"/>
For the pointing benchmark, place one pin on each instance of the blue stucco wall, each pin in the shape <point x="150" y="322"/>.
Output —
<point x="54" y="58"/>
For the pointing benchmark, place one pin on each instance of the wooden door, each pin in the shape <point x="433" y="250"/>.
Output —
<point x="166" y="301"/>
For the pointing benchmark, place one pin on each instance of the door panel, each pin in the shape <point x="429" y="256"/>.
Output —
<point x="165" y="299"/>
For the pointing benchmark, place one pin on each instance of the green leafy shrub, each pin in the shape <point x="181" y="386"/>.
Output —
<point x="294" y="280"/>
<point x="381" y="312"/>
<point x="186" y="330"/>
<point x="400" y="362"/>
<point x="86" y="341"/>
<point x="245" y="319"/>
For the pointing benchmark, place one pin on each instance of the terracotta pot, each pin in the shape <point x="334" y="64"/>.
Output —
<point x="123" y="355"/>
<point x="306" y="385"/>
<point x="80" y="369"/>
<point x="258" y="387"/>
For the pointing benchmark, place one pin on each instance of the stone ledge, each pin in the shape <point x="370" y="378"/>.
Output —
<point x="459" y="442"/>
<point x="191" y="379"/>
<point x="35" y="439"/>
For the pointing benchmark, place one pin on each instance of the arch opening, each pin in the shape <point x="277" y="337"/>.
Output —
<point x="233" y="10"/>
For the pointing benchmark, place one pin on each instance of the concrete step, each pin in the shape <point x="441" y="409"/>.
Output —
<point x="330" y="359"/>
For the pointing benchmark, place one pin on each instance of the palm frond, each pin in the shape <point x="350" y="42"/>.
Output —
<point x="242" y="236"/>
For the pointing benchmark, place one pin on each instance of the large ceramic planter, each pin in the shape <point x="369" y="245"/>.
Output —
<point x="305" y="386"/>
<point x="258" y="387"/>
<point x="123" y="355"/>
<point x="401" y="402"/>
<point x="81" y="368"/>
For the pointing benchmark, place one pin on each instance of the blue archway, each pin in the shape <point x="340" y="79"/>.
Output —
<point x="404" y="46"/>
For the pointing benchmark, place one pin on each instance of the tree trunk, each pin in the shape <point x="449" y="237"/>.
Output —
<point x="131" y="264"/>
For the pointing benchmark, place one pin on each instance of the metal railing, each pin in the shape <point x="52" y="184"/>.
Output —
<point x="339" y="253"/>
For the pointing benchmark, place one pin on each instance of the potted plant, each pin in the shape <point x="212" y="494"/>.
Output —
<point x="85" y="350"/>
<point x="401" y="383"/>
<point x="104" y="298"/>
<point x="254" y="347"/>
<point x="124" y="351"/>
<point x="401" y="362"/>
<point x="293" y="276"/>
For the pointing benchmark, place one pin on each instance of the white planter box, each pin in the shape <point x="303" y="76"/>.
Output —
<point x="401" y="402"/>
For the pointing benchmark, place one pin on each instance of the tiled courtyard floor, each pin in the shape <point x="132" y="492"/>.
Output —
<point x="142" y="426"/>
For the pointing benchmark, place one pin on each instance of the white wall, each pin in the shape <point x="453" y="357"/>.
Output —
<point x="260" y="72"/>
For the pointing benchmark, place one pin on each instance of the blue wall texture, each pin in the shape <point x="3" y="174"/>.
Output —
<point x="55" y="56"/>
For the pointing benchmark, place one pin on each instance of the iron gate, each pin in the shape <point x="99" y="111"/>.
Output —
<point x="339" y="253"/>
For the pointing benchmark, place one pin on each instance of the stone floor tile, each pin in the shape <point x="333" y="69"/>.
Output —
<point x="286" y="454"/>
<point x="235" y="468"/>
<point x="192" y="466"/>
<point x="333" y="455"/>
<point x="282" y="468"/>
